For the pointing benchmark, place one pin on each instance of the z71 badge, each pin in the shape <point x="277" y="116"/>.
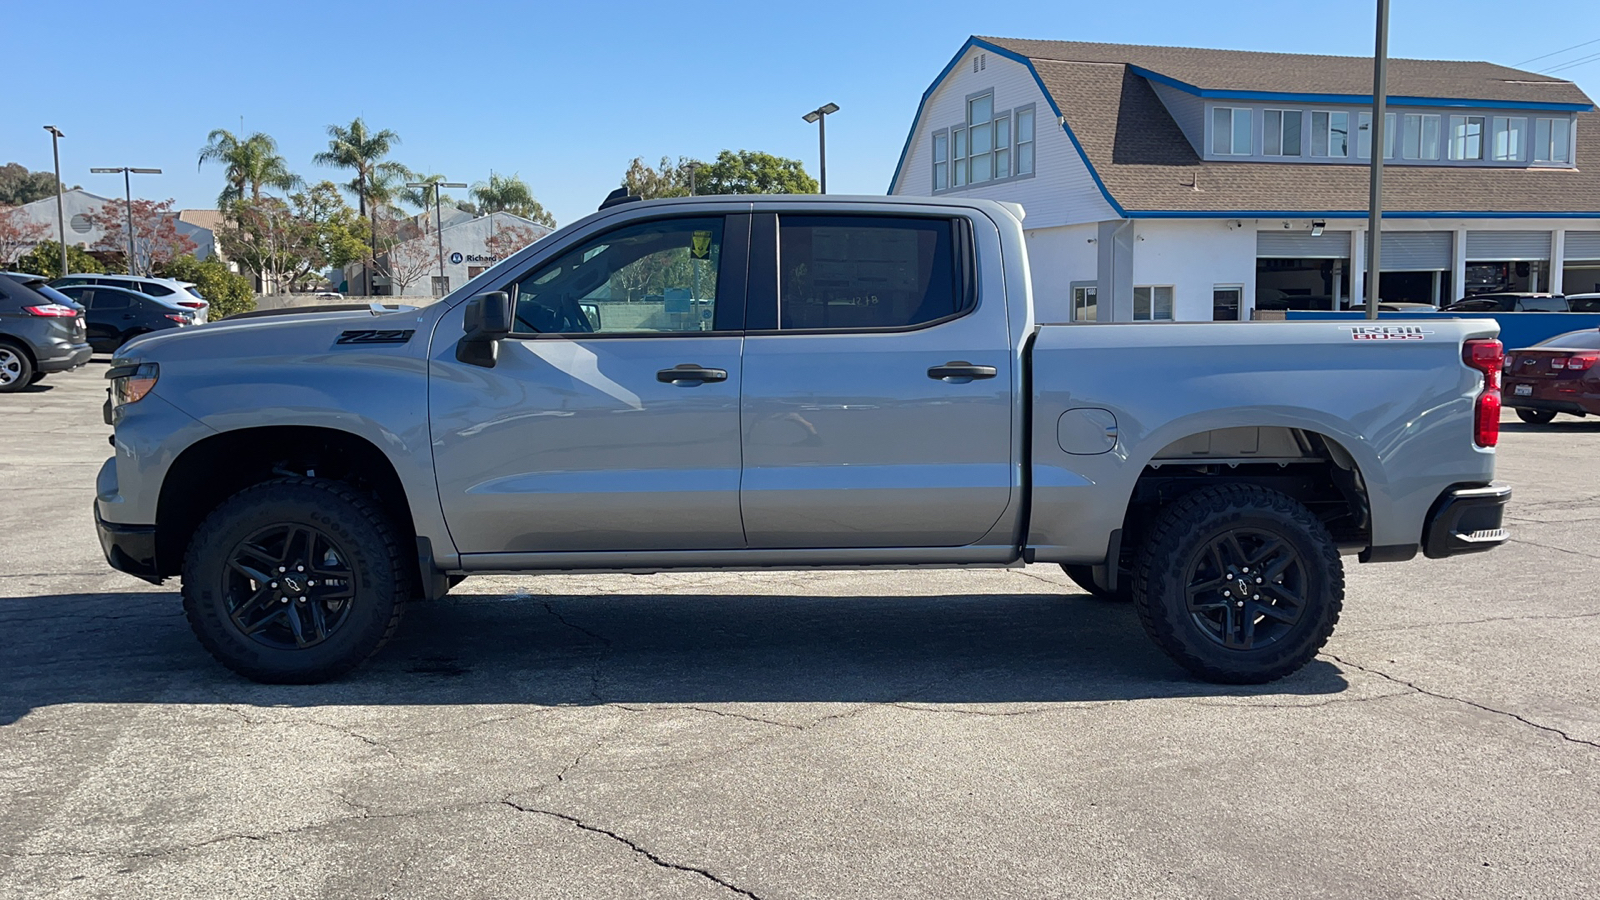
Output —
<point x="1386" y="332"/>
<point x="373" y="336"/>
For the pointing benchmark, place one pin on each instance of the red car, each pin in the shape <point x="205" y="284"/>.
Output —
<point x="1559" y="375"/>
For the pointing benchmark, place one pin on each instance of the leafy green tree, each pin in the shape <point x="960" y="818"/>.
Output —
<point x="669" y="180"/>
<point x="227" y="291"/>
<point x="341" y="237"/>
<point x="363" y="151"/>
<point x="509" y="193"/>
<point x="19" y="186"/>
<point x="45" y="259"/>
<point x="754" y="172"/>
<point x="249" y="165"/>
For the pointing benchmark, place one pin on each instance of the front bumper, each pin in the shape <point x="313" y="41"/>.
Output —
<point x="1466" y="520"/>
<point x="129" y="548"/>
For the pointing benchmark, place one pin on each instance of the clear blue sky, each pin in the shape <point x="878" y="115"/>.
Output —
<point x="565" y="94"/>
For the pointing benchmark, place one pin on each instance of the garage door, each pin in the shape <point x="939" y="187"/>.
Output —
<point x="1583" y="245"/>
<point x="1504" y="246"/>
<point x="1301" y="245"/>
<point x="1416" y="251"/>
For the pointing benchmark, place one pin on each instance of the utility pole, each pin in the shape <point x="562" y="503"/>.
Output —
<point x="127" y="185"/>
<point x="438" y="219"/>
<point x="61" y="215"/>
<point x="820" y="116"/>
<point x="1380" y="91"/>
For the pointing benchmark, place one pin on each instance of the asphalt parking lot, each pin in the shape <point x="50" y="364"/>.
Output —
<point x="900" y="734"/>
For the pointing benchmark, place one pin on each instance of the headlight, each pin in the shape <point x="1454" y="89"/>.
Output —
<point x="131" y="382"/>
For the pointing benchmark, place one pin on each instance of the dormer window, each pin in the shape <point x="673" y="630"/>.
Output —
<point x="1552" y="140"/>
<point x="1230" y="131"/>
<point x="1280" y="132"/>
<point x="1466" y="137"/>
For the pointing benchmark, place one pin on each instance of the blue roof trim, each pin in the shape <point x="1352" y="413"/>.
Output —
<point x="1054" y="108"/>
<point x="1364" y="99"/>
<point x="1349" y="214"/>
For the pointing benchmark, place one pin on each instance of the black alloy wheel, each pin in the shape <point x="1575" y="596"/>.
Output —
<point x="288" y="586"/>
<point x="1246" y="589"/>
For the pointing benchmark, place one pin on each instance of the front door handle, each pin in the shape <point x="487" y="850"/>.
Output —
<point x="960" y="372"/>
<point x="689" y="373"/>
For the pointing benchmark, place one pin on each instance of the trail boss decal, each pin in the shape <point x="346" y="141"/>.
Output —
<point x="1386" y="332"/>
<point x="374" y="336"/>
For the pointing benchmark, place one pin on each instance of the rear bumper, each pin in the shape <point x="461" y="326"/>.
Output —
<point x="129" y="548"/>
<point x="1466" y="520"/>
<point x="73" y="357"/>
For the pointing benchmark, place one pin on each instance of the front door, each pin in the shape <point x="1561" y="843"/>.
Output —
<point x="877" y="392"/>
<point x="611" y="420"/>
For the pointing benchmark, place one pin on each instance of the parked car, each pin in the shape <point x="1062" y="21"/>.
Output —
<point x="1395" y="306"/>
<point x="117" y="315"/>
<point x="857" y="382"/>
<point x="183" y="293"/>
<point x="40" y="332"/>
<point x="1510" y="302"/>
<point x="1560" y="375"/>
<point x="1584" y="302"/>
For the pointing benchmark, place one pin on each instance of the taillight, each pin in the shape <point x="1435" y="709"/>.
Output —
<point x="192" y="304"/>
<point x="1487" y="356"/>
<point x="1580" y="363"/>
<point x="52" y="311"/>
<point x="180" y="319"/>
<point x="1559" y="362"/>
<point x="1509" y="364"/>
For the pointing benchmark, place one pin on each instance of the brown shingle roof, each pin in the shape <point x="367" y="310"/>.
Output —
<point x="1242" y="70"/>
<point x="1148" y="165"/>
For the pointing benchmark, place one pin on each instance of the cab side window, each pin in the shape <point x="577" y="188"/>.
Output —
<point x="651" y="277"/>
<point x="846" y="273"/>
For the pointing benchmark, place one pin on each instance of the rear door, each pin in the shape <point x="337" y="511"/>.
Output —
<point x="877" y="383"/>
<point x="615" y="431"/>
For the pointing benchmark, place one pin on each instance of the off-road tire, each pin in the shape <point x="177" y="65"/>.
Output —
<point x="1083" y="577"/>
<point x="18" y="367"/>
<point x="1176" y="556"/>
<point x="381" y="575"/>
<point x="1536" y="416"/>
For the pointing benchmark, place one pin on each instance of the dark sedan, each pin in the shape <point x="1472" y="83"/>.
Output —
<point x="1560" y="375"/>
<point x="118" y="315"/>
<point x="1510" y="302"/>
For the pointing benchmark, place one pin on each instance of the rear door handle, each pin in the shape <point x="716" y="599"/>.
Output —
<point x="689" y="373"/>
<point x="960" y="372"/>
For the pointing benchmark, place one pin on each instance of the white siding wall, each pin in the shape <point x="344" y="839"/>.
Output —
<point x="1188" y="111"/>
<point x="1057" y="257"/>
<point x="1061" y="192"/>
<point x="1194" y="256"/>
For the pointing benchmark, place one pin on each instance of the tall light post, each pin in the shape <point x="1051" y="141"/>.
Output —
<point x="1380" y="90"/>
<point x="820" y="116"/>
<point x="127" y="186"/>
<point x="693" y="168"/>
<point x="438" y="216"/>
<point x="61" y="215"/>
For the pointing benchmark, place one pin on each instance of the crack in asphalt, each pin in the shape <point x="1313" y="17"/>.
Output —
<point x="1550" y="729"/>
<point x="600" y="658"/>
<point x="1550" y="547"/>
<point x="632" y="845"/>
<point x="339" y="729"/>
<point x="1527" y="618"/>
<point x="709" y="711"/>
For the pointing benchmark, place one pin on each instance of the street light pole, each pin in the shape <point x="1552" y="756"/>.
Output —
<point x="1380" y="90"/>
<point x="61" y="215"/>
<point x="127" y="185"/>
<point x="438" y="214"/>
<point x="820" y="116"/>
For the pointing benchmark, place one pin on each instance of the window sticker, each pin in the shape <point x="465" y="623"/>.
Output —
<point x="701" y="246"/>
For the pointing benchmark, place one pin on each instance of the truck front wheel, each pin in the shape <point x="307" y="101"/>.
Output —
<point x="295" y="581"/>
<point x="1239" y="584"/>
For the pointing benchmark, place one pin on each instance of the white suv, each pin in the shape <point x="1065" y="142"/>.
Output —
<point x="172" y="290"/>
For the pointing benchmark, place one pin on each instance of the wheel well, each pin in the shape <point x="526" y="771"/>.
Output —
<point x="1310" y="467"/>
<point x="212" y="470"/>
<point x="27" y="351"/>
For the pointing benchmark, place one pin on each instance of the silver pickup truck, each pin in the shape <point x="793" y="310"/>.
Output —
<point x="782" y="383"/>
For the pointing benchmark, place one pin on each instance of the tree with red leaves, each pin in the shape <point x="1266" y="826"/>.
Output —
<point x="18" y="234"/>
<point x="508" y="239"/>
<point x="155" y="232"/>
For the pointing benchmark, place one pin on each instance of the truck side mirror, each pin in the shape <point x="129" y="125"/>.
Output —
<point x="486" y="321"/>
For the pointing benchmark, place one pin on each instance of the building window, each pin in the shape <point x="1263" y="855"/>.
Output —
<point x="1364" y="135"/>
<point x="1280" y="132"/>
<point x="1552" y="140"/>
<point x="1509" y="139"/>
<point x="1002" y="146"/>
<point x="1466" y="137"/>
<point x="1230" y="131"/>
<point x="1227" y="302"/>
<point x="958" y="146"/>
<point x="1419" y="138"/>
<point x="1024" y="150"/>
<point x="1084" y="301"/>
<point x="980" y="137"/>
<point x="941" y="161"/>
<point x="1330" y="134"/>
<point x="1389" y="128"/>
<point x="1152" y="303"/>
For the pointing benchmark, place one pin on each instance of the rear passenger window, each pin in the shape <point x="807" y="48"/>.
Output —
<point x="861" y="272"/>
<point x="1543" y="304"/>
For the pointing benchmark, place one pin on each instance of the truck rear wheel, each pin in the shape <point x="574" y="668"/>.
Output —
<point x="295" y="581"/>
<point x="1239" y="584"/>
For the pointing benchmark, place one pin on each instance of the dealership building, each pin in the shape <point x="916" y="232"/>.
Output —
<point x="1191" y="184"/>
<point x="470" y="245"/>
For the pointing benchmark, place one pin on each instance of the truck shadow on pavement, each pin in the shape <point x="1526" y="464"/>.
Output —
<point x="553" y="650"/>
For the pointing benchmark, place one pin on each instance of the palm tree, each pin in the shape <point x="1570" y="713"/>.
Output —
<point x="249" y="165"/>
<point x="422" y="197"/>
<point x="503" y="193"/>
<point x="359" y="149"/>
